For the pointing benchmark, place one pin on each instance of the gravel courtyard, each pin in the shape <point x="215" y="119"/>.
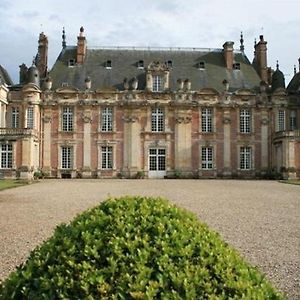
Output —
<point x="259" y="218"/>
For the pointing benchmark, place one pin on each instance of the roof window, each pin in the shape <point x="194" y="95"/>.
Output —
<point x="71" y="62"/>
<point x="169" y="64"/>
<point x="201" y="65"/>
<point x="140" y="64"/>
<point x="108" y="64"/>
<point x="236" y="66"/>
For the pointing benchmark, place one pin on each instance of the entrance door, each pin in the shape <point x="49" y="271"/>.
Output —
<point x="157" y="163"/>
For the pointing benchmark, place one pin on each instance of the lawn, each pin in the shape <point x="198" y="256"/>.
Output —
<point x="292" y="181"/>
<point x="8" y="183"/>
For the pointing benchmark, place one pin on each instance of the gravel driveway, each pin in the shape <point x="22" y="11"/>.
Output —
<point x="259" y="218"/>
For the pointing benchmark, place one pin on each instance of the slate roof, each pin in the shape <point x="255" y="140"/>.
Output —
<point x="294" y="85"/>
<point x="124" y="65"/>
<point x="4" y="76"/>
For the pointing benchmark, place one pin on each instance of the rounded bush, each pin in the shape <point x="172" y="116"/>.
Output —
<point x="136" y="248"/>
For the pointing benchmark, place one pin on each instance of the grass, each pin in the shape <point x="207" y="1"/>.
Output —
<point x="292" y="181"/>
<point x="9" y="183"/>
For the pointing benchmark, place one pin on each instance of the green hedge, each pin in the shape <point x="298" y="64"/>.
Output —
<point x="136" y="248"/>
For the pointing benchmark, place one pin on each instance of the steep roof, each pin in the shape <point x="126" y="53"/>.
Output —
<point x="4" y="77"/>
<point x="294" y="85"/>
<point x="125" y="65"/>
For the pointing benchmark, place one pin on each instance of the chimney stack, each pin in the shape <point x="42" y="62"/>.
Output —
<point x="42" y="56"/>
<point x="228" y="54"/>
<point x="261" y="58"/>
<point x="81" y="47"/>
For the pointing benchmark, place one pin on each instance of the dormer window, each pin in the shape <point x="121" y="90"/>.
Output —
<point x="169" y="64"/>
<point x="140" y="64"/>
<point x="108" y="64"/>
<point x="236" y="66"/>
<point x="71" y="62"/>
<point x="157" y="83"/>
<point x="201" y="65"/>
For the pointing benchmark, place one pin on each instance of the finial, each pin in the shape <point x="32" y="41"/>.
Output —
<point x="64" y="44"/>
<point x="33" y="61"/>
<point x="277" y="65"/>
<point x="295" y="70"/>
<point x="81" y="33"/>
<point x="242" y="48"/>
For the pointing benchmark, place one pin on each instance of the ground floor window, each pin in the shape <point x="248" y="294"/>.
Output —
<point x="107" y="157"/>
<point x="245" y="158"/>
<point x="157" y="159"/>
<point x="207" y="158"/>
<point x="66" y="157"/>
<point x="6" y="156"/>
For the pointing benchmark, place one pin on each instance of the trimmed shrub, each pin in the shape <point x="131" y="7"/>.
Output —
<point x="136" y="248"/>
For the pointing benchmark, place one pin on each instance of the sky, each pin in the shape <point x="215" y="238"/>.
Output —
<point x="157" y="23"/>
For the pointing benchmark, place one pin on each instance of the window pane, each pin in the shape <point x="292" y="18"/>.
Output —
<point x="67" y="119"/>
<point x="281" y="120"/>
<point x="157" y="83"/>
<point x="206" y="120"/>
<point x="157" y="120"/>
<point x="107" y="158"/>
<point x="106" y="119"/>
<point x="30" y="117"/>
<point x="15" y="117"/>
<point x="66" y="157"/>
<point x="245" y="121"/>
<point x="6" y="156"/>
<point x="245" y="158"/>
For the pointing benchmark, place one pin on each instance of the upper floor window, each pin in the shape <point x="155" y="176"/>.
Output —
<point x="169" y="64"/>
<point x="107" y="119"/>
<point x="207" y="158"/>
<point x="245" y="158"/>
<point x="107" y="157"/>
<point x="108" y="64"/>
<point x="206" y="120"/>
<point x="293" y="120"/>
<point x="30" y="117"/>
<point x="66" y="157"/>
<point x="157" y="83"/>
<point x="281" y="120"/>
<point x="157" y="119"/>
<point x="245" y="121"/>
<point x="236" y="66"/>
<point x="201" y="65"/>
<point x="6" y="156"/>
<point x="71" y="62"/>
<point x="67" y="118"/>
<point x="15" y="117"/>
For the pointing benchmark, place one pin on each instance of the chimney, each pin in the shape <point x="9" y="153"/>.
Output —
<point x="261" y="59"/>
<point x="228" y="54"/>
<point x="42" y="56"/>
<point x="23" y="73"/>
<point x="81" y="46"/>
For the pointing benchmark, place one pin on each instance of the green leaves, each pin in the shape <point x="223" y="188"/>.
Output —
<point x="136" y="248"/>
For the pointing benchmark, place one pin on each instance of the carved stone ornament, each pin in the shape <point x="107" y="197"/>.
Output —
<point x="264" y="121"/>
<point x="130" y="119"/>
<point x="226" y="120"/>
<point x="185" y="119"/>
<point x="86" y="118"/>
<point x="157" y="66"/>
<point x="47" y="119"/>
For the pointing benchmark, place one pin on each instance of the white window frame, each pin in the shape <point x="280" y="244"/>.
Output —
<point x="157" y="159"/>
<point x="67" y="119"/>
<point x="6" y="156"/>
<point x="30" y="117"/>
<point x="107" y="119"/>
<point x="246" y="158"/>
<point x="157" y="119"/>
<point x="15" y="117"/>
<point x="207" y="119"/>
<point x="66" y="157"/>
<point x="107" y="157"/>
<point x="245" y="121"/>
<point x="207" y="158"/>
<point x="293" y="120"/>
<point x="157" y="83"/>
<point x="281" y="120"/>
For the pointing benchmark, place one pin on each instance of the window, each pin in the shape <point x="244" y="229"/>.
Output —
<point x="15" y="117"/>
<point x="207" y="158"/>
<point x="245" y="158"/>
<point x="281" y="120"/>
<point x="30" y="117"/>
<point x="206" y="120"/>
<point x="66" y="157"/>
<point x="108" y="64"/>
<point x="157" y="159"/>
<point x="236" y="66"/>
<point x="106" y="119"/>
<point x="106" y="152"/>
<point x="245" y="124"/>
<point x="67" y="119"/>
<point x="6" y="156"/>
<point x="71" y="62"/>
<point x="140" y="64"/>
<point x="293" y="120"/>
<point x="169" y="64"/>
<point x="157" y="120"/>
<point x="201" y="65"/>
<point x="157" y="84"/>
